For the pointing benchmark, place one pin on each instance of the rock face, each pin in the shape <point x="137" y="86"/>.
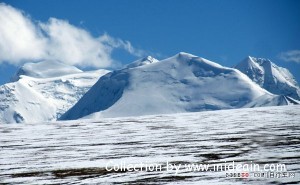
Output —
<point x="43" y="91"/>
<point x="182" y="83"/>
<point x="275" y="79"/>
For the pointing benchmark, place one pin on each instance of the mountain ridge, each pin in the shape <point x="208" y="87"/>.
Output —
<point x="45" y="69"/>
<point x="45" y="97"/>
<point x="49" y="90"/>
<point x="268" y="75"/>
<point x="182" y="83"/>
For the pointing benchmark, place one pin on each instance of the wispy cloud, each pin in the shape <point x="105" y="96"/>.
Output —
<point x="22" y="39"/>
<point x="290" y="56"/>
<point x="118" y="43"/>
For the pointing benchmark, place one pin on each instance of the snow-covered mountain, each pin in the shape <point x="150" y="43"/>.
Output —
<point x="182" y="83"/>
<point x="45" y="69"/>
<point x="44" y="91"/>
<point x="275" y="79"/>
<point x="141" y="62"/>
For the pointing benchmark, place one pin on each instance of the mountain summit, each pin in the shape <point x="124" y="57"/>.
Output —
<point x="275" y="79"/>
<point x="141" y="62"/>
<point x="182" y="83"/>
<point x="41" y="92"/>
<point x="45" y="69"/>
<point x="49" y="90"/>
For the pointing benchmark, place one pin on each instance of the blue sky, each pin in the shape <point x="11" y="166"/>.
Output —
<point x="224" y="31"/>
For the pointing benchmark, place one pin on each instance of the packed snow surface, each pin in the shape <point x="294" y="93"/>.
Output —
<point x="77" y="152"/>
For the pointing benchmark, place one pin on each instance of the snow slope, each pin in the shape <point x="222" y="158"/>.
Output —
<point x="43" y="92"/>
<point x="182" y="83"/>
<point x="271" y="100"/>
<point x="275" y="79"/>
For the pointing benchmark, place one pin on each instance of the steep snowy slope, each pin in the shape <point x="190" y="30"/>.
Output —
<point x="277" y="80"/>
<point x="20" y="103"/>
<point x="37" y="98"/>
<point x="182" y="83"/>
<point x="271" y="100"/>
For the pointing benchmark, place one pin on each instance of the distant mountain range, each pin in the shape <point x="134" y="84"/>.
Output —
<point x="182" y="83"/>
<point x="50" y="90"/>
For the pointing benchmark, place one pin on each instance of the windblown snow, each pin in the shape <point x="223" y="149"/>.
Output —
<point x="182" y="83"/>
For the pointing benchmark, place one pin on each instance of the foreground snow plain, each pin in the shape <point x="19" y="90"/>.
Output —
<point x="77" y="152"/>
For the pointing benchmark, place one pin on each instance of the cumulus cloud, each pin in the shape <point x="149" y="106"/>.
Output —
<point x="22" y="39"/>
<point x="290" y="56"/>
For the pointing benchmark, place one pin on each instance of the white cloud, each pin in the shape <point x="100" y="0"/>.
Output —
<point x="118" y="43"/>
<point x="75" y="46"/>
<point x="290" y="56"/>
<point x="21" y="39"/>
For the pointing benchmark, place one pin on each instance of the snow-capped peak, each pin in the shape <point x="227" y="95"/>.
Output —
<point x="252" y="69"/>
<point x="181" y="83"/>
<point x="184" y="55"/>
<point x="45" y="69"/>
<point x="190" y="58"/>
<point x="141" y="62"/>
<point x="275" y="79"/>
<point x="44" y="91"/>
